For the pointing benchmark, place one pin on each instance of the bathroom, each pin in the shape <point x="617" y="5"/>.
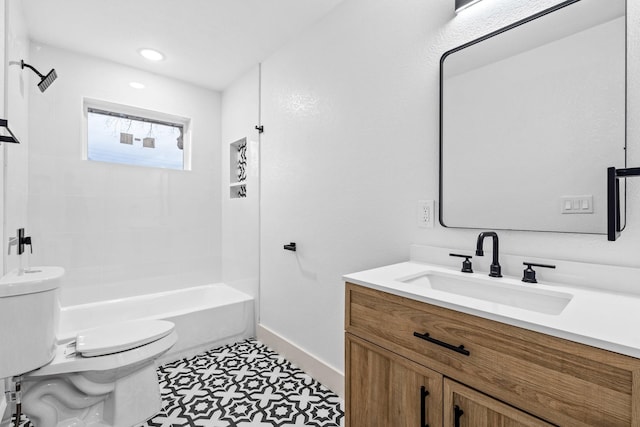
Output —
<point x="350" y="112"/>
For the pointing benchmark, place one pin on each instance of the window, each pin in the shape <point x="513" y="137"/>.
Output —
<point x="136" y="138"/>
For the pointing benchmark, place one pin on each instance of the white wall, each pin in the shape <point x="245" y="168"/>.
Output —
<point x="350" y="110"/>
<point x="15" y="155"/>
<point x="118" y="229"/>
<point x="346" y="152"/>
<point x="240" y="216"/>
<point x="3" y="39"/>
<point x="3" y="400"/>
<point x="13" y="158"/>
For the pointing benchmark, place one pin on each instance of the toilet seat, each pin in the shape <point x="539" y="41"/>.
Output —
<point x="66" y="361"/>
<point x="120" y="337"/>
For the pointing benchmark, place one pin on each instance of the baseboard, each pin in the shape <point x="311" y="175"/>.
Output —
<point x="316" y="368"/>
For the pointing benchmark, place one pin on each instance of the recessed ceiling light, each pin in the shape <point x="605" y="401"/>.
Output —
<point x="136" y="85"/>
<point x="151" y="54"/>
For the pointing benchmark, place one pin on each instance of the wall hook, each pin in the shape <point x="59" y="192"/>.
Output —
<point x="260" y="128"/>
<point x="290" y="247"/>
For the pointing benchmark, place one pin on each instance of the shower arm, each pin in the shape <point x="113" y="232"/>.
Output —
<point x="24" y="64"/>
<point x="45" y="80"/>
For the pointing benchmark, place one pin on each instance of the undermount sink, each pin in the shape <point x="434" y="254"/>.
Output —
<point x="500" y="291"/>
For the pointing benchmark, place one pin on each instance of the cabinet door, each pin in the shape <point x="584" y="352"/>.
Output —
<point x="384" y="389"/>
<point x="465" y="407"/>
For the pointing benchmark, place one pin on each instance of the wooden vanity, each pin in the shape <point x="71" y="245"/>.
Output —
<point x="410" y="363"/>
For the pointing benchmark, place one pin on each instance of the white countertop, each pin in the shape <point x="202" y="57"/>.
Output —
<point x="598" y="318"/>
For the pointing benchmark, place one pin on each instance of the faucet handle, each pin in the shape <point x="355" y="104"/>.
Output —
<point x="529" y="274"/>
<point x="466" y="264"/>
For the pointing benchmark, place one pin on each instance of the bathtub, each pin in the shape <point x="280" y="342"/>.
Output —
<point x="205" y="316"/>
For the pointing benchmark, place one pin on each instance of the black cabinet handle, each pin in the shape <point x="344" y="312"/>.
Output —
<point x="457" y="413"/>
<point x="423" y="406"/>
<point x="459" y="349"/>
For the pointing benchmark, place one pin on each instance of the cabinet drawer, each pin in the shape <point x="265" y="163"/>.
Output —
<point x="560" y="381"/>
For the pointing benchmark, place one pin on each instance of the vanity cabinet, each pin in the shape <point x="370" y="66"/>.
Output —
<point x="390" y="390"/>
<point x="497" y="374"/>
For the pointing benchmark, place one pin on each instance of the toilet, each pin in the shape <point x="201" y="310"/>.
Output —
<point x="106" y="376"/>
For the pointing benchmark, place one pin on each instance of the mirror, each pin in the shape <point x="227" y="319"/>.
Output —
<point x="531" y="116"/>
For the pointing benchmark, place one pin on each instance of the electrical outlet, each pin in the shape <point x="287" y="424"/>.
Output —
<point x="425" y="213"/>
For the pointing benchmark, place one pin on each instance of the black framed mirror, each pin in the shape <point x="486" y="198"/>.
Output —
<point x="531" y="116"/>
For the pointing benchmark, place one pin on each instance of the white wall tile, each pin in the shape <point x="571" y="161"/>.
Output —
<point x="118" y="228"/>
<point x="241" y="216"/>
<point x="16" y="112"/>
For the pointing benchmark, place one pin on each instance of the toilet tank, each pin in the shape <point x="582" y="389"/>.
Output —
<point x="29" y="313"/>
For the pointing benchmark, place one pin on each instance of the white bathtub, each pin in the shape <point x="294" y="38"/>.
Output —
<point x="205" y="316"/>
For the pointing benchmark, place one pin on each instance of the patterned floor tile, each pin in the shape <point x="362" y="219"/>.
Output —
<point x="242" y="385"/>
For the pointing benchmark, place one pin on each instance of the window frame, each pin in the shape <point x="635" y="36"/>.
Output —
<point x="140" y="114"/>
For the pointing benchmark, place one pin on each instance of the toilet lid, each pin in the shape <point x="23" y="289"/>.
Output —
<point x="121" y="336"/>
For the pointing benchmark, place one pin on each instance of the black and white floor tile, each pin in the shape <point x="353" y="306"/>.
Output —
<point x="243" y="385"/>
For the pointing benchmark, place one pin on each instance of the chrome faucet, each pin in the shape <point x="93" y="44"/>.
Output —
<point x="494" y="270"/>
<point x="13" y="241"/>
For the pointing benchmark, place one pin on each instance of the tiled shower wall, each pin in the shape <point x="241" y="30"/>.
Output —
<point x="16" y="112"/>
<point x="120" y="230"/>
<point x="241" y="215"/>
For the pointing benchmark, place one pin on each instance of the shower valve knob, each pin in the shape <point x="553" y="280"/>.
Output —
<point x="27" y="241"/>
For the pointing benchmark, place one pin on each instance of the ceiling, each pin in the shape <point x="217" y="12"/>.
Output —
<point x="205" y="42"/>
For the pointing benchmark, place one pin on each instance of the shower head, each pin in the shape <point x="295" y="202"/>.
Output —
<point x="45" y="81"/>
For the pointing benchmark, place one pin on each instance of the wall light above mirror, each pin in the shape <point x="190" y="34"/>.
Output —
<point x="531" y="117"/>
<point x="463" y="4"/>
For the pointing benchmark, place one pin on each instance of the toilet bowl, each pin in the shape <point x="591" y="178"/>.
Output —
<point x="106" y="376"/>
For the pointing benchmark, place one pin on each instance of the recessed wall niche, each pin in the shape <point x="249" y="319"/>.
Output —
<point x="238" y="169"/>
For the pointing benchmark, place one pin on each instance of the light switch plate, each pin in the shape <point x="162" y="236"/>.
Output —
<point x="576" y="204"/>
